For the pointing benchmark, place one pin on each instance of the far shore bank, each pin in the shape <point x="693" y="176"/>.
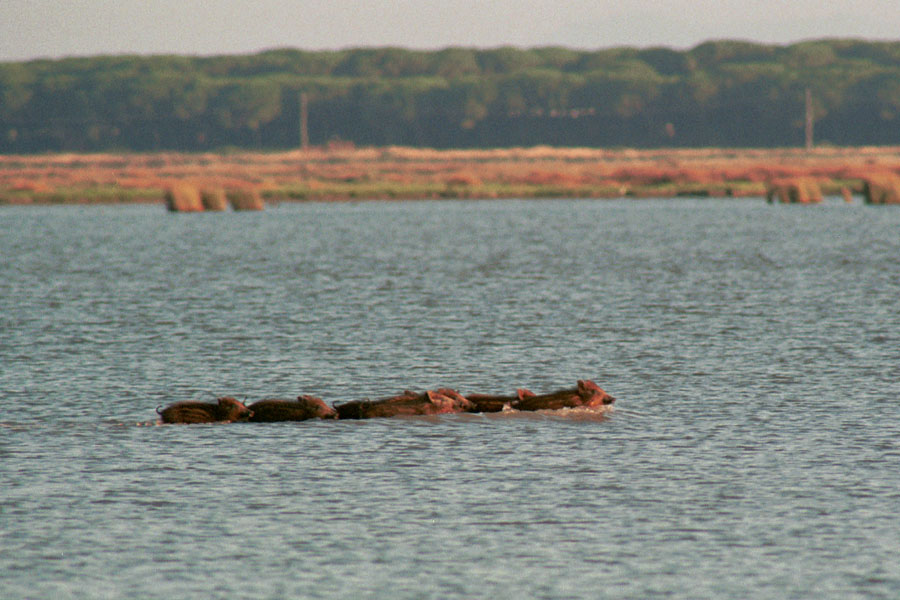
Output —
<point x="400" y="173"/>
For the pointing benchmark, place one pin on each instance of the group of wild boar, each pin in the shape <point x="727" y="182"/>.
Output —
<point x="586" y="394"/>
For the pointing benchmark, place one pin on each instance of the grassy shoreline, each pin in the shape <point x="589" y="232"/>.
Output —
<point x="400" y="173"/>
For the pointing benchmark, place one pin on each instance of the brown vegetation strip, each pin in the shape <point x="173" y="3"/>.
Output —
<point x="401" y="173"/>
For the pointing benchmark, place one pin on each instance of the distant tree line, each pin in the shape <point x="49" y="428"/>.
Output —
<point x="724" y="93"/>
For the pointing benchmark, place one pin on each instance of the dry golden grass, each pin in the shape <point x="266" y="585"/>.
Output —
<point x="246" y="199"/>
<point x="214" y="199"/>
<point x="882" y="188"/>
<point x="795" y="190"/>
<point x="183" y="197"/>
<point x="345" y="172"/>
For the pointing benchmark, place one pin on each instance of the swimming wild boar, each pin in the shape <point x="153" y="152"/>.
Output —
<point x="487" y="403"/>
<point x="301" y="409"/>
<point x="408" y="403"/>
<point x="226" y="410"/>
<point x="586" y="394"/>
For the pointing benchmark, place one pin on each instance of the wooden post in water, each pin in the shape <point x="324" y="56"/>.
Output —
<point x="809" y="120"/>
<point x="304" y="121"/>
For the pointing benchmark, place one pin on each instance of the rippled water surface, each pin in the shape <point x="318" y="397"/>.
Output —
<point x="753" y="451"/>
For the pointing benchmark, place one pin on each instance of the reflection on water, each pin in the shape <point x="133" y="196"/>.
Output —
<point x="754" y="352"/>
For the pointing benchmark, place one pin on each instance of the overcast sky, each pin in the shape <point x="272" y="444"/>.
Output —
<point x="55" y="28"/>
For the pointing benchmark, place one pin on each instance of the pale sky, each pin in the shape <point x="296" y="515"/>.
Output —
<point x="56" y="28"/>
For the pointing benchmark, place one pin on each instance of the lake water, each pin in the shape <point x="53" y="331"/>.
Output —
<point x="753" y="452"/>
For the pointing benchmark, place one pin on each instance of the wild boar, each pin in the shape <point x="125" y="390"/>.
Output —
<point x="301" y="409"/>
<point x="487" y="403"/>
<point x="408" y="403"/>
<point x="586" y="394"/>
<point x="226" y="410"/>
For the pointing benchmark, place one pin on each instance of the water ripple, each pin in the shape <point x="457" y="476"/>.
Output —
<point x="752" y="350"/>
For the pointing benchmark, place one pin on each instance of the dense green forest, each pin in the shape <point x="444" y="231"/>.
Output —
<point x="724" y="93"/>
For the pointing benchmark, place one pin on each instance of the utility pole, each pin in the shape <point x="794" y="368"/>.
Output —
<point x="304" y="121"/>
<point x="809" y="120"/>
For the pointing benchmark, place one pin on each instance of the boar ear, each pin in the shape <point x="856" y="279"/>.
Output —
<point x="523" y="393"/>
<point x="581" y="386"/>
